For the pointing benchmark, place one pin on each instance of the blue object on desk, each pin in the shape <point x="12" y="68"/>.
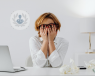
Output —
<point x="93" y="70"/>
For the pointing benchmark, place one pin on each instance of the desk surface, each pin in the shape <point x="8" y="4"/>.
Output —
<point x="31" y="71"/>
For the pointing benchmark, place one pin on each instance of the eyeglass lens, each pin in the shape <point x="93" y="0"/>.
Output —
<point x="47" y="25"/>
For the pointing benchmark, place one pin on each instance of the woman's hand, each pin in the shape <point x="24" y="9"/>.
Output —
<point x="52" y="33"/>
<point x="43" y="33"/>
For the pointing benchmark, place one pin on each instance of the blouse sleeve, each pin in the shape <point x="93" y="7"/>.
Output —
<point x="38" y="57"/>
<point x="57" y="56"/>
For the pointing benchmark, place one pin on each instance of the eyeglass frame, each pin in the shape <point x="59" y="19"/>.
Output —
<point x="50" y="24"/>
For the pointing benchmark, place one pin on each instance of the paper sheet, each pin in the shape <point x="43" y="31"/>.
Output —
<point x="69" y="69"/>
<point x="90" y="64"/>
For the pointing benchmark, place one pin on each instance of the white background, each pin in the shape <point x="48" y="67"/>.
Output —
<point x="68" y="12"/>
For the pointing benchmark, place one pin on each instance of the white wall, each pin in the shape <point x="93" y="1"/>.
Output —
<point x="68" y="12"/>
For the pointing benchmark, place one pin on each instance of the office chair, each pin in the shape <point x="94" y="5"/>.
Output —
<point x="29" y="62"/>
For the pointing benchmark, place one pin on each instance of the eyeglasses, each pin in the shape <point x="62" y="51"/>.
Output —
<point x="43" y="25"/>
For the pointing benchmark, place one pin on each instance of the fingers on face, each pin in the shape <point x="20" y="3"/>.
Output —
<point x="41" y="30"/>
<point x="48" y="29"/>
<point x="45" y="30"/>
<point x="52" y="27"/>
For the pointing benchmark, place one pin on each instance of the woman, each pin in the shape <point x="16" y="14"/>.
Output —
<point x="46" y="49"/>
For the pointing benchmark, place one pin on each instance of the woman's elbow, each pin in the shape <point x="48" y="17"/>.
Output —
<point x="41" y="64"/>
<point x="59" y="64"/>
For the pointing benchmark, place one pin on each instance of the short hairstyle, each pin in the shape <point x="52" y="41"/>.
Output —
<point x="42" y="17"/>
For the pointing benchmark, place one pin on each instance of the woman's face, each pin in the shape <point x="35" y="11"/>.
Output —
<point x="47" y="21"/>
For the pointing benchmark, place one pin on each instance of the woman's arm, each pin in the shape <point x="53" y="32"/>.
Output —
<point x="43" y="33"/>
<point x="44" y="47"/>
<point x="38" y="56"/>
<point x="56" y="56"/>
<point x="51" y="47"/>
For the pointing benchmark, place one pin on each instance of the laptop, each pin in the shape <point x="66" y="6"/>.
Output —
<point x="6" y="62"/>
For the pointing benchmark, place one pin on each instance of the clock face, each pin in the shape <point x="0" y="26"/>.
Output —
<point x="20" y="20"/>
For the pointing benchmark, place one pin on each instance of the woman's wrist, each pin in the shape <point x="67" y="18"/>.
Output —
<point x="51" y="41"/>
<point x="46" y="41"/>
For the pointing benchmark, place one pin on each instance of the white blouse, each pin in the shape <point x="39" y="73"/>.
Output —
<point x="56" y="57"/>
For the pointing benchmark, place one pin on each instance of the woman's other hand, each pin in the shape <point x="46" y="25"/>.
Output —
<point x="52" y="33"/>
